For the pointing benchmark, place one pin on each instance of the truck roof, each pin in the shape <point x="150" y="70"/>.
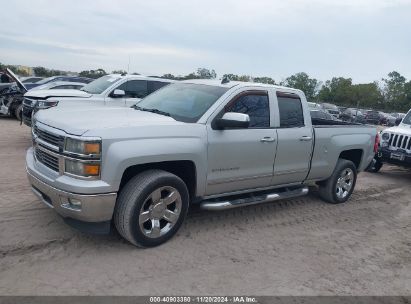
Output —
<point x="231" y="84"/>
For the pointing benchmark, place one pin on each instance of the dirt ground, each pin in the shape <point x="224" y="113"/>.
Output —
<point x="296" y="247"/>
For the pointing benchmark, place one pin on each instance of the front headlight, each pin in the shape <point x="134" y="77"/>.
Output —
<point x="385" y="136"/>
<point x="81" y="168"/>
<point x="83" y="147"/>
<point x="47" y="104"/>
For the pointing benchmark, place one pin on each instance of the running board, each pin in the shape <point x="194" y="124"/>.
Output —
<point x="216" y="205"/>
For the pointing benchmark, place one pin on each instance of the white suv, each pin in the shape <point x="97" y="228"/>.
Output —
<point x="113" y="90"/>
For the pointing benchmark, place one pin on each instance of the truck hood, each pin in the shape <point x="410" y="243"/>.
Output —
<point x="78" y="122"/>
<point x="401" y="129"/>
<point x="37" y="94"/>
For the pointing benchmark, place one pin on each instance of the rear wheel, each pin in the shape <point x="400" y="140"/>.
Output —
<point x="339" y="187"/>
<point x="151" y="208"/>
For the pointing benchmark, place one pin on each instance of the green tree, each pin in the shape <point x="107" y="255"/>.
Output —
<point x="118" y="72"/>
<point x="169" y="76"/>
<point x="267" y="80"/>
<point x="93" y="73"/>
<point x="338" y="91"/>
<point x="303" y="82"/>
<point x="367" y="95"/>
<point x="204" y="73"/>
<point x="232" y="77"/>
<point x="41" y="71"/>
<point x="394" y="90"/>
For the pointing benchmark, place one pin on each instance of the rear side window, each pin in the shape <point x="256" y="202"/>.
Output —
<point x="291" y="110"/>
<point x="153" y="86"/>
<point x="134" y="88"/>
<point x="256" y="105"/>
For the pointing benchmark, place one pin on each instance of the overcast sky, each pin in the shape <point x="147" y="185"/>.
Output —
<point x="361" y="39"/>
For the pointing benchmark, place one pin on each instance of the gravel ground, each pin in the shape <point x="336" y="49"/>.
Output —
<point x="295" y="247"/>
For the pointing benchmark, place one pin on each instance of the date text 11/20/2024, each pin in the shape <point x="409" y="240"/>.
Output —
<point x="203" y="299"/>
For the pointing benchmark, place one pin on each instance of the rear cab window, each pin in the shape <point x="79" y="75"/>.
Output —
<point x="291" y="110"/>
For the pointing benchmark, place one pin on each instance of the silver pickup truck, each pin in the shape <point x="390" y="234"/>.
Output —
<point x="217" y="144"/>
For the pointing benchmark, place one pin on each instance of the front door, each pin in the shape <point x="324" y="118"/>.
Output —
<point x="240" y="159"/>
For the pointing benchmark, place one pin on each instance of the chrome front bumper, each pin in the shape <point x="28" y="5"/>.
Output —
<point x="94" y="207"/>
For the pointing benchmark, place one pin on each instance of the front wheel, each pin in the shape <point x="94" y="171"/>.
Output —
<point x="151" y="208"/>
<point x="339" y="187"/>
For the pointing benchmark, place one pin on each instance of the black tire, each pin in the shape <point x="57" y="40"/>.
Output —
<point x="134" y="197"/>
<point x="375" y="166"/>
<point x="328" y="188"/>
<point x="18" y="112"/>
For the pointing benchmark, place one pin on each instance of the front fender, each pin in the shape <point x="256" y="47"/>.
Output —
<point x="123" y="154"/>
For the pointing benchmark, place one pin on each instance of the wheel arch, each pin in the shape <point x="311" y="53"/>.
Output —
<point x="354" y="155"/>
<point x="184" y="169"/>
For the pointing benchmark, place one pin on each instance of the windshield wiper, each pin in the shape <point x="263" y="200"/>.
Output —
<point x="156" y="111"/>
<point x="84" y="90"/>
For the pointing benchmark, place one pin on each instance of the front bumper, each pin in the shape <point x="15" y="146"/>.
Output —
<point x="403" y="158"/>
<point x="94" y="207"/>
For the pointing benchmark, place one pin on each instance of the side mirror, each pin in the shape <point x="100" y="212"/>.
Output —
<point x="232" y="120"/>
<point x="118" y="93"/>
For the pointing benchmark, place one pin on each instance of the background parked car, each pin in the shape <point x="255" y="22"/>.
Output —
<point x="5" y="81"/>
<point x="321" y="114"/>
<point x="350" y="114"/>
<point x="314" y="105"/>
<point x="372" y="117"/>
<point x="11" y="98"/>
<point x="58" y="78"/>
<point x="65" y="85"/>
<point x="332" y="109"/>
<point x="112" y="90"/>
<point x="398" y="117"/>
<point x="31" y="79"/>
<point x="387" y="119"/>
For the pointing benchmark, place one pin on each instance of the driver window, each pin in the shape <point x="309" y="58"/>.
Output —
<point x="255" y="104"/>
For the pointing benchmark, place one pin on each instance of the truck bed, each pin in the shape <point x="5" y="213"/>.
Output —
<point x="331" y="137"/>
<point x="318" y="122"/>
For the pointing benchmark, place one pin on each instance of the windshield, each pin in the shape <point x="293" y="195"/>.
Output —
<point x="407" y="119"/>
<point x="183" y="101"/>
<point x="99" y="85"/>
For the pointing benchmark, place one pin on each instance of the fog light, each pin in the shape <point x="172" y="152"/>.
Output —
<point x="71" y="204"/>
<point x="74" y="202"/>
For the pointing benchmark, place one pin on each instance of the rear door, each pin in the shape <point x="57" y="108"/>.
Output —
<point x="295" y="140"/>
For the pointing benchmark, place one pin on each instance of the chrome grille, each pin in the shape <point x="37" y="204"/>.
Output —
<point x="47" y="159"/>
<point x="53" y="139"/>
<point x="400" y="141"/>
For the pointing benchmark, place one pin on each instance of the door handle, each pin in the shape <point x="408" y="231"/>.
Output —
<point x="267" y="139"/>
<point x="306" y="138"/>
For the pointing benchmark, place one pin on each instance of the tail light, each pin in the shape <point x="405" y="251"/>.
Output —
<point x="376" y="143"/>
